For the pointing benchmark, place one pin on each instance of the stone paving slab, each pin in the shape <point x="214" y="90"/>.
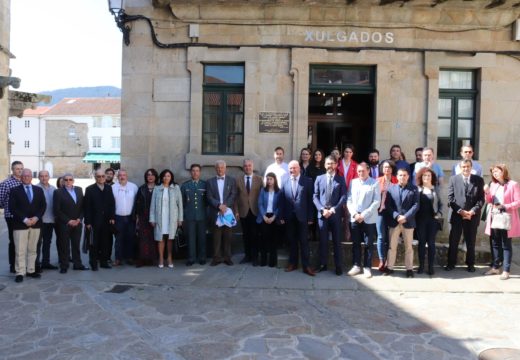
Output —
<point x="245" y="312"/>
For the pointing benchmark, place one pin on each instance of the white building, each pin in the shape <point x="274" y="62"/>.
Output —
<point x="75" y="135"/>
<point x="27" y="138"/>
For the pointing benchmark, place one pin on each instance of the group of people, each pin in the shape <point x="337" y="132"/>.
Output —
<point x="318" y="197"/>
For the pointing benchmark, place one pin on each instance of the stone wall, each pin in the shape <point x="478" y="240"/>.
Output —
<point x="5" y="26"/>
<point x="66" y="153"/>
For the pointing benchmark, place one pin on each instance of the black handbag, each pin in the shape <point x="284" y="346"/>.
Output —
<point x="180" y="239"/>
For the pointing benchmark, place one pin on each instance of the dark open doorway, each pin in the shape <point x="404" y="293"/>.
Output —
<point x="338" y="119"/>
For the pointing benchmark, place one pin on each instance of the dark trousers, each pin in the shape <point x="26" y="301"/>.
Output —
<point x="501" y="247"/>
<point x="362" y="232"/>
<point x="196" y="232"/>
<point x="125" y="238"/>
<point x="101" y="246"/>
<point x="250" y="235"/>
<point x="469" y="229"/>
<point x="221" y="243"/>
<point x="269" y="244"/>
<point x="69" y="238"/>
<point x="9" y="222"/>
<point x="427" y="231"/>
<point x="43" y="251"/>
<point x="332" y="225"/>
<point x="297" y="233"/>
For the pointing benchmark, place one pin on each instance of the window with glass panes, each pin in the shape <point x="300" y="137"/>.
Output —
<point x="456" y="112"/>
<point x="223" y="109"/>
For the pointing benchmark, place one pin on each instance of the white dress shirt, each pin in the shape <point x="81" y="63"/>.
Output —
<point x="124" y="197"/>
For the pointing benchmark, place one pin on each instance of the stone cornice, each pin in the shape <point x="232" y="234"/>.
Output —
<point x="446" y="15"/>
<point x="19" y="101"/>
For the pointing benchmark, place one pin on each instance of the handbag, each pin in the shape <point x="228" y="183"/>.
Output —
<point x="180" y="240"/>
<point x="500" y="220"/>
<point x="440" y="222"/>
<point x="88" y="239"/>
<point x="485" y="211"/>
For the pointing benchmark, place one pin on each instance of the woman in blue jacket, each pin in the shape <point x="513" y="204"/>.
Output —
<point x="269" y="215"/>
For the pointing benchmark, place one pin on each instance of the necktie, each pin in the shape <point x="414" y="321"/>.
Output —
<point x="28" y="191"/>
<point x="329" y="191"/>
<point x="294" y="187"/>
<point x="248" y="185"/>
<point x="466" y="184"/>
<point x="220" y="178"/>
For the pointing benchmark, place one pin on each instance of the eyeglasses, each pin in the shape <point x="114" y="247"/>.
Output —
<point x="68" y="179"/>
<point x="100" y="176"/>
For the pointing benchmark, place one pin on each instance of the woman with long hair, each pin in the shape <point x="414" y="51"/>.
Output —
<point x="317" y="165"/>
<point x="385" y="181"/>
<point x="147" y="249"/>
<point x="269" y="213"/>
<point x="305" y="161"/>
<point x="427" y="217"/>
<point x="166" y="214"/>
<point x="504" y="196"/>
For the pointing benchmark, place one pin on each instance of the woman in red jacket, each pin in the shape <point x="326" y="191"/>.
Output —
<point x="347" y="168"/>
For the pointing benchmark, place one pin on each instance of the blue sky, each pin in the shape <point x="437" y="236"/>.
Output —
<point x="64" y="43"/>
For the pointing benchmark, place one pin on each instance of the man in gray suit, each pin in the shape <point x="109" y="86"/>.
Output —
<point x="221" y="194"/>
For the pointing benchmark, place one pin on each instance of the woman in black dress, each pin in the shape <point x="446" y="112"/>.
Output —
<point x="147" y="247"/>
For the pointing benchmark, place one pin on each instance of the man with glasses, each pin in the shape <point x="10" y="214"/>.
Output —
<point x="68" y="211"/>
<point x="27" y="204"/>
<point x="5" y="189"/>
<point x="466" y="152"/>
<point x="100" y="213"/>
<point x="124" y="195"/>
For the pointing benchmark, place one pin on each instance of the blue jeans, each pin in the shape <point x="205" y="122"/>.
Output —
<point x="362" y="232"/>
<point x="501" y="243"/>
<point x="382" y="238"/>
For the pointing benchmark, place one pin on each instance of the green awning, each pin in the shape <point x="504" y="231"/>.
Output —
<point x="101" y="158"/>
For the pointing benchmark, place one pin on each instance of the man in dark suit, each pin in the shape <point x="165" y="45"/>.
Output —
<point x="222" y="192"/>
<point x="68" y="210"/>
<point x="465" y="198"/>
<point x="27" y="205"/>
<point x="246" y="208"/>
<point x="330" y="194"/>
<point x="100" y="213"/>
<point x="401" y="205"/>
<point x="297" y="214"/>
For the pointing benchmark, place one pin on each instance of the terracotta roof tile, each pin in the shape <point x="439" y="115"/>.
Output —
<point x="87" y="106"/>
<point x="40" y="110"/>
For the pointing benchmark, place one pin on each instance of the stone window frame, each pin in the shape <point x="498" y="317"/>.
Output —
<point x="455" y="95"/>
<point x="97" y="142"/>
<point x="196" y="58"/>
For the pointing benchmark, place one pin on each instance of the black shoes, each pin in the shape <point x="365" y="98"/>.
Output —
<point x="449" y="267"/>
<point x="189" y="263"/>
<point x="80" y="267"/>
<point x="409" y="273"/>
<point x="471" y="269"/>
<point x="387" y="271"/>
<point x="321" y="268"/>
<point x="105" y="265"/>
<point x="202" y="262"/>
<point x="339" y="272"/>
<point x="49" y="267"/>
<point x="63" y="271"/>
<point x="34" y="275"/>
<point x="430" y="271"/>
<point x="18" y="278"/>
<point x="228" y="262"/>
<point x="11" y="269"/>
<point x="420" y="270"/>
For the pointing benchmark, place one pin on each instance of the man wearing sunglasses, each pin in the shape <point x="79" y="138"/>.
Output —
<point x="68" y="211"/>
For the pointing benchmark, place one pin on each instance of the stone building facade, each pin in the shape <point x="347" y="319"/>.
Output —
<point x="234" y="79"/>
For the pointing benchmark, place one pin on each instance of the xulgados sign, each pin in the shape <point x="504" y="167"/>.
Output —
<point x="349" y="36"/>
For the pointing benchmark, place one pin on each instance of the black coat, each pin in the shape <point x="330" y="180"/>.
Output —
<point x="100" y="205"/>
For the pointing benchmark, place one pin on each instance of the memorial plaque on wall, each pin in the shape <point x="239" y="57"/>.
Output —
<point x="273" y="122"/>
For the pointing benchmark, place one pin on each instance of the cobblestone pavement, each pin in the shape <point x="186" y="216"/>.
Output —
<point x="245" y="312"/>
